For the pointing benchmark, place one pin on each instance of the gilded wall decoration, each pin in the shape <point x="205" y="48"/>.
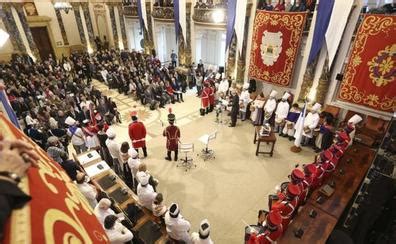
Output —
<point x="323" y="85"/>
<point x="307" y="81"/>
<point x="231" y="59"/>
<point x="165" y="13"/>
<point x="113" y="25"/>
<point x="148" y="33"/>
<point x="131" y="11"/>
<point x="204" y="15"/>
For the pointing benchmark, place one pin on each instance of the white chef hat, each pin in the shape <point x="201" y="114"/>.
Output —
<point x="286" y="96"/>
<point x="110" y="133"/>
<point x="132" y="152"/>
<point x="355" y="119"/>
<point x="246" y="86"/>
<point x="223" y="75"/>
<point x="104" y="203"/>
<point x="70" y="121"/>
<point x="143" y="179"/>
<point x="316" y="107"/>
<point x="218" y="76"/>
<point x="174" y="210"/>
<point x="273" y="93"/>
<point x="204" y="229"/>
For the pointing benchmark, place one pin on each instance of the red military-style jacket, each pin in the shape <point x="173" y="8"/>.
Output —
<point x="172" y="134"/>
<point x="137" y="134"/>
<point x="205" y="97"/>
<point x="267" y="236"/>
<point x="212" y="96"/>
<point x="286" y="208"/>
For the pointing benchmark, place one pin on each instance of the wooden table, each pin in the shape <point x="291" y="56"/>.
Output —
<point x="354" y="165"/>
<point x="316" y="230"/>
<point x="348" y="176"/>
<point x="118" y="184"/>
<point x="268" y="139"/>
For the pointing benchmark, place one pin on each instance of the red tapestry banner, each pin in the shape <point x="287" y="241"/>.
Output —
<point x="370" y="75"/>
<point x="58" y="212"/>
<point x="275" y="43"/>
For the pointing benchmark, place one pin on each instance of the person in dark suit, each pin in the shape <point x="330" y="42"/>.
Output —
<point x="234" y="108"/>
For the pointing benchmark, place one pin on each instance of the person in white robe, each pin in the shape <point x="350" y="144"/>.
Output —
<point x="270" y="106"/>
<point x="145" y="192"/>
<point x="351" y="126"/>
<point x="281" y="113"/>
<point x="102" y="210"/>
<point x="310" y="123"/>
<point x="202" y="236"/>
<point x="176" y="226"/>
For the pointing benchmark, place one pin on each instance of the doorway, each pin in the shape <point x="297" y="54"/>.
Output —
<point x="43" y="42"/>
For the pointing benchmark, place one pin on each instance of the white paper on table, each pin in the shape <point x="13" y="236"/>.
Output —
<point x="97" y="168"/>
<point x="88" y="157"/>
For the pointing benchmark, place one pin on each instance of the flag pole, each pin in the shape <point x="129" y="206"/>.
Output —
<point x="296" y="148"/>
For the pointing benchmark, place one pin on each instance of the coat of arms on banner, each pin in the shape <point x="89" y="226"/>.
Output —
<point x="271" y="47"/>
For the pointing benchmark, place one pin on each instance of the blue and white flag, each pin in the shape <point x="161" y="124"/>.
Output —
<point x="141" y="4"/>
<point x="179" y="13"/>
<point x="325" y="8"/>
<point x="6" y="108"/>
<point x="231" y="12"/>
<point x="299" y="127"/>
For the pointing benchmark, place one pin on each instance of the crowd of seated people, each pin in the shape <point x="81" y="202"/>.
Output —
<point x="289" y="6"/>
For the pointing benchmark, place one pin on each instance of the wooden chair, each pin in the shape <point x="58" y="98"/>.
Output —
<point x="335" y="111"/>
<point x="373" y="128"/>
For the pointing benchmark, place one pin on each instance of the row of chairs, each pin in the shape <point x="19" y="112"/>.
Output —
<point x="188" y="148"/>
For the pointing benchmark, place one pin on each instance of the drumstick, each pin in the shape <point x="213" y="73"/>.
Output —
<point x="248" y="225"/>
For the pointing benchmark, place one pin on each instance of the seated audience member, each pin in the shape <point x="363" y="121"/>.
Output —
<point x="159" y="208"/>
<point x="71" y="168"/>
<point x="176" y="226"/>
<point x="143" y="172"/>
<point x="103" y="209"/>
<point x="272" y="230"/>
<point x="326" y="133"/>
<point x="202" y="237"/>
<point x="290" y="121"/>
<point x="88" y="190"/>
<point x="115" y="231"/>
<point x="145" y="192"/>
<point x="56" y="150"/>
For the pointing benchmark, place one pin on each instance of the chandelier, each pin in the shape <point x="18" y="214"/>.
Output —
<point x="66" y="6"/>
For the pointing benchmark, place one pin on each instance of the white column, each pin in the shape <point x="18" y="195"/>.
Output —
<point x="84" y="24"/>
<point x="93" y="19"/>
<point x="22" y="33"/>
<point x="120" y="44"/>
<point x="110" y="37"/>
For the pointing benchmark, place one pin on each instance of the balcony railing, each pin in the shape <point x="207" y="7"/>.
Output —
<point x="165" y="13"/>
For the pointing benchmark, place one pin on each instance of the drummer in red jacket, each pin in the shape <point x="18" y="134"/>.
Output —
<point x="137" y="134"/>
<point x="205" y="100"/>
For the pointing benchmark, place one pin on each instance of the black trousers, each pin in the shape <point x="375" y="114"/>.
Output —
<point x="234" y="117"/>
<point x="144" y="149"/>
<point x="169" y="154"/>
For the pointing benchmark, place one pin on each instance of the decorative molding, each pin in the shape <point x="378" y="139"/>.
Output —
<point x="148" y="33"/>
<point x="163" y="13"/>
<point x="231" y="57"/>
<point x="205" y="16"/>
<point x="131" y="11"/>
<point x="323" y="85"/>
<point x="307" y="81"/>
